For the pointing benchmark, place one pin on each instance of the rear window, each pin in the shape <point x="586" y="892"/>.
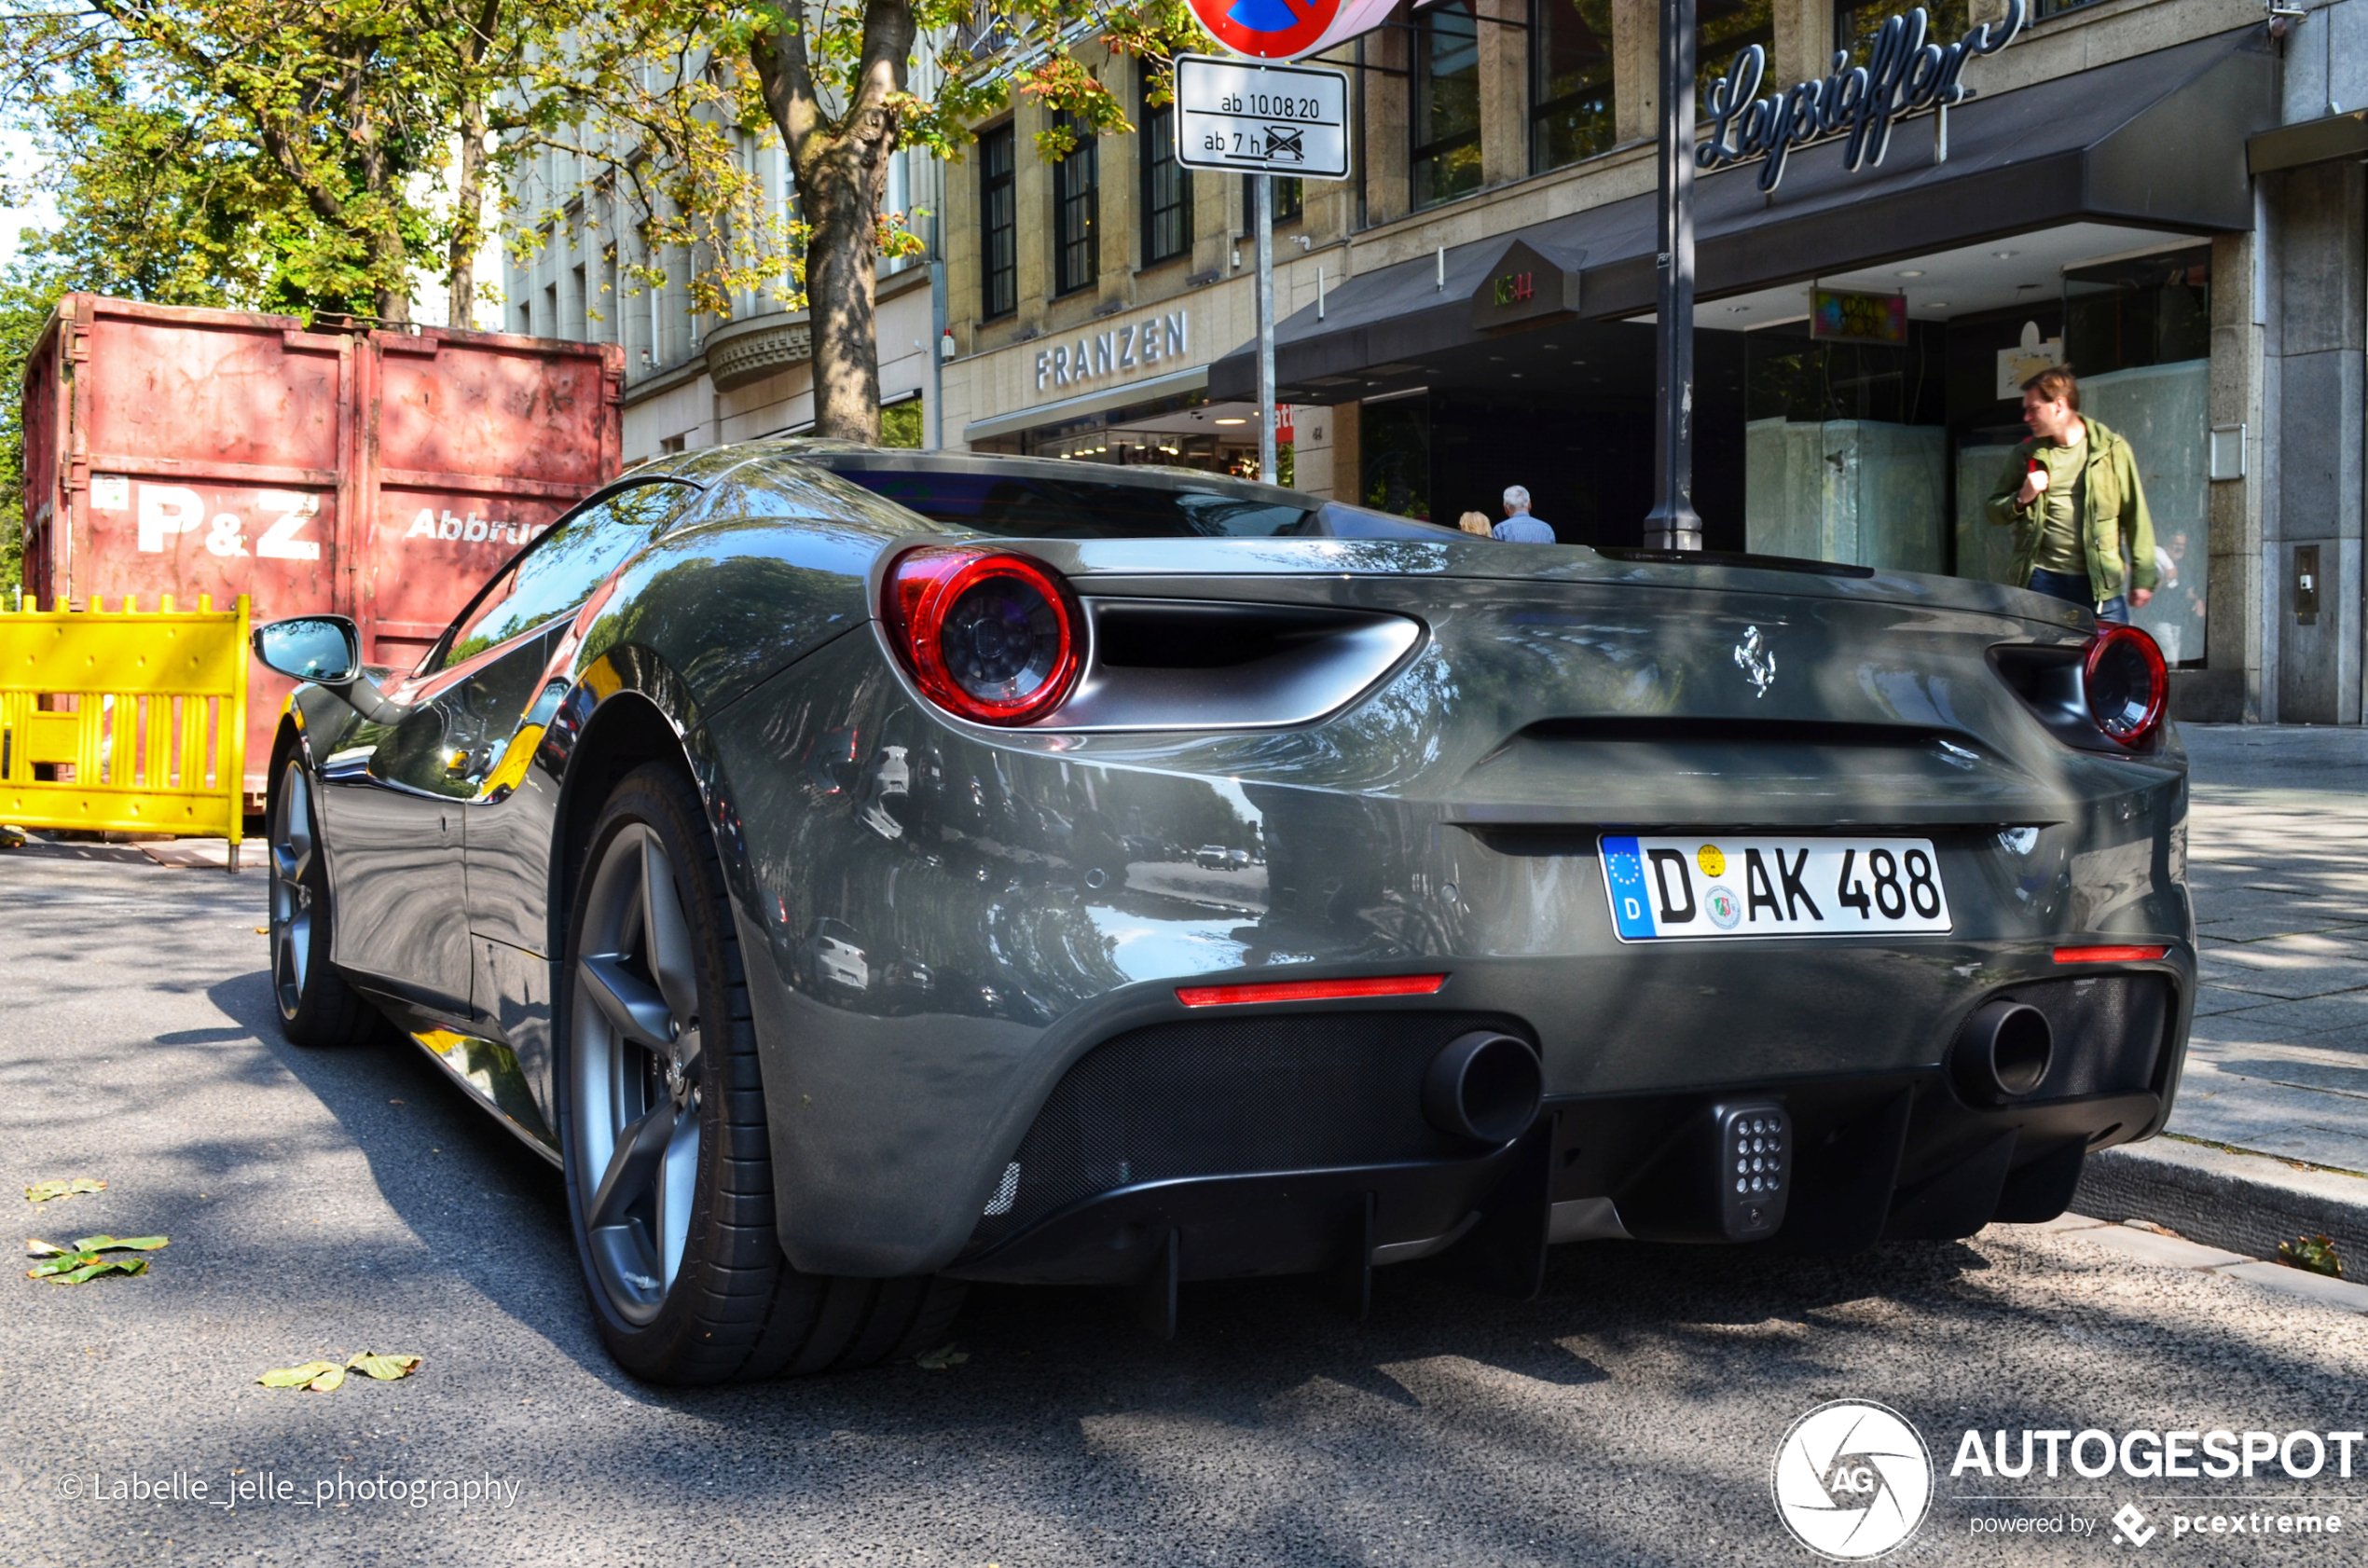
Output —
<point x="1022" y="507"/>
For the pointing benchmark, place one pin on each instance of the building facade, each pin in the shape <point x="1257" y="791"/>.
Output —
<point x="2165" y="194"/>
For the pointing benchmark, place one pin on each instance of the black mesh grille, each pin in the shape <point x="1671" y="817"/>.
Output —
<point x="2109" y="1032"/>
<point x="1233" y="1097"/>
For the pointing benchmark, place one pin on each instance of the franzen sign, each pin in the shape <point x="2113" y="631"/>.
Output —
<point x="1118" y="350"/>
<point x="1261" y="120"/>
<point x="1903" y="74"/>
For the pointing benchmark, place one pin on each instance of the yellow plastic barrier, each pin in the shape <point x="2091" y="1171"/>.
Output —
<point x="125" y="720"/>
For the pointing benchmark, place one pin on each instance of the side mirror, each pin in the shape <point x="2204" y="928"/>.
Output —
<point x="327" y="649"/>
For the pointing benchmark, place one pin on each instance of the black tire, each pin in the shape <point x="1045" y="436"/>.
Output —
<point x="662" y="1125"/>
<point x="317" y="1008"/>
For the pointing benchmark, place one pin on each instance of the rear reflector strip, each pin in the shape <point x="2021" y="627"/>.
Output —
<point x="1311" y="990"/>
<point x="2109" y="954"/>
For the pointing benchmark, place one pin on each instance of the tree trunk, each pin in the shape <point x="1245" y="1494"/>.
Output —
<point x="842" y="176"/>
<point x="842" y="269"/>
<point x="468" y="219"/>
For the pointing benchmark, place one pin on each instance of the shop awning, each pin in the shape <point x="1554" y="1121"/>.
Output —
<point x="2154" y="142"/>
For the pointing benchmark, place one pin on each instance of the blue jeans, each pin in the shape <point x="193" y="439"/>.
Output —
<point x="2073" y="588"/>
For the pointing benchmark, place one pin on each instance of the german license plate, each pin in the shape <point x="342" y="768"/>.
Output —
<point x="1670" y="888"/>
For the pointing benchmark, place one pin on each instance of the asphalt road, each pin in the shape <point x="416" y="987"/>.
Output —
<point x="320" y="1203"/>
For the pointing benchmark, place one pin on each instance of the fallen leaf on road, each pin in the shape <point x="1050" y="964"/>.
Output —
<point x="263" y="931"/>
<point x="941" y="1358"/>
<point x="42" y="1191"/>
<point x="87" y="1258"/>
<point x="386" y="1369"/>
<point x="323" y="1376"/>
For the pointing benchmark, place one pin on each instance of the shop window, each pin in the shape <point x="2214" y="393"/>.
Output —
<point x="1845" y="448"/>
<point x="2152" y="309"/>
<point x="2045" y="8"/>
<point x="998" y="226"/>
<point x="1168" y="184"/>
<point x="1290" y="202"/>
<point x="1855" y="25"/>
<point x="1571" y="87"/>
<point x="1446" y="122"/>
<point x="1724" y="29"/>
<point x="1077" y="259"/>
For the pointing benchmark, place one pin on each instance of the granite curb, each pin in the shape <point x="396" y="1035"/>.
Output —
<point x="2241" y="1202"/>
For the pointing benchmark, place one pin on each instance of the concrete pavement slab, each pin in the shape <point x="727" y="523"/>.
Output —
<point x="2341" y="1294"/>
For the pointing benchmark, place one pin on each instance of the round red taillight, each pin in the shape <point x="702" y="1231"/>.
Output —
<point x="2127" y="684"/>
<point x="987" y="634"/>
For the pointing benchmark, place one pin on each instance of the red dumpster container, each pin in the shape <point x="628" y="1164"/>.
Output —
<point x="380" y="474"/>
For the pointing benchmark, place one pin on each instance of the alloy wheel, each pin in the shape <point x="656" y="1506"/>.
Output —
<point x="635" y="1072"/>
<point x="292" y="852"/>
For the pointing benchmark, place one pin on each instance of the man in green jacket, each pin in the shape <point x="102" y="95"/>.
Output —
<point x="2072" y="495"/>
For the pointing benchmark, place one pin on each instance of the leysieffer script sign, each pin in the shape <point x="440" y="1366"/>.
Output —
<point x="1903" y="74"/>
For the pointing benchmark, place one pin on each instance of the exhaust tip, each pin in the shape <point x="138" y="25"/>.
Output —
<point x="2002" y="1052"/>
<point x="1484" y="1086"/>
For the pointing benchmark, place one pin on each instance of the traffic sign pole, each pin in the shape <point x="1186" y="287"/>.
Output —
<point x="1269" y="468"/>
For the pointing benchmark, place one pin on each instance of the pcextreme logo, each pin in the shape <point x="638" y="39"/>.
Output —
<point x="1853" y="1480"/>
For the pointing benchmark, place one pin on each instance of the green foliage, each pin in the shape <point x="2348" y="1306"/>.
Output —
<point x="902" y="425"/>
<point x="333" y="127"/>
<point x="2316" y="1254"/>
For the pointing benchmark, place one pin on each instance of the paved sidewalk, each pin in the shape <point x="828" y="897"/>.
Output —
<point x="2269" y="1139"/>
<point x="2278" y="856"/>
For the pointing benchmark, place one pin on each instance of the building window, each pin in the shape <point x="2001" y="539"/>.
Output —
<point x="1570" y="62"/>
<point x="999" y="227"/>
<point x="1168" y="184"/>
<point x="1290" y="202"/>
<point x="1446" y="117"/>
<point x="1855" y="25"/>
<point x="1724" y="29"/>
<point x="1076" y="201"/>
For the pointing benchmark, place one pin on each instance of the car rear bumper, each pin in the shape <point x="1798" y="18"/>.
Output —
<point x="1213" y="1140"/>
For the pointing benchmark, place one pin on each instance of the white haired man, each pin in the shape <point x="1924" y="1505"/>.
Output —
<point x="1519" y="527"/>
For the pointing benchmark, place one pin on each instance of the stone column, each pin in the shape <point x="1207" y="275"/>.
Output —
<point x="1344" y="422"/>
<point x="2229" y="689"/>
<point x="1388" y="102"/>
<point x="1313" y="448"/>
<point x="1032" y="204"/>
<point x="1636" y="69"/>
<point x="1504" y="67"/>
<point x="2316" y="372"/>
<point x="1804" y="43"/>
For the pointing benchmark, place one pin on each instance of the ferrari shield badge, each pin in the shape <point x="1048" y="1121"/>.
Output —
<point x="1756" y="660"/>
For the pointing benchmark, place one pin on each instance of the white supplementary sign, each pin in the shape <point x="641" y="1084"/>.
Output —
<point x="1117" y="351"/>
<point x="1251" y="118"/>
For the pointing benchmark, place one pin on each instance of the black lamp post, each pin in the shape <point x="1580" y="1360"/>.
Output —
<point x="1673" y="523"/>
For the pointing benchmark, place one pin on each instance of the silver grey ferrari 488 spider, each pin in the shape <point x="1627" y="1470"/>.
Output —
<point x="865" y="872"/>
